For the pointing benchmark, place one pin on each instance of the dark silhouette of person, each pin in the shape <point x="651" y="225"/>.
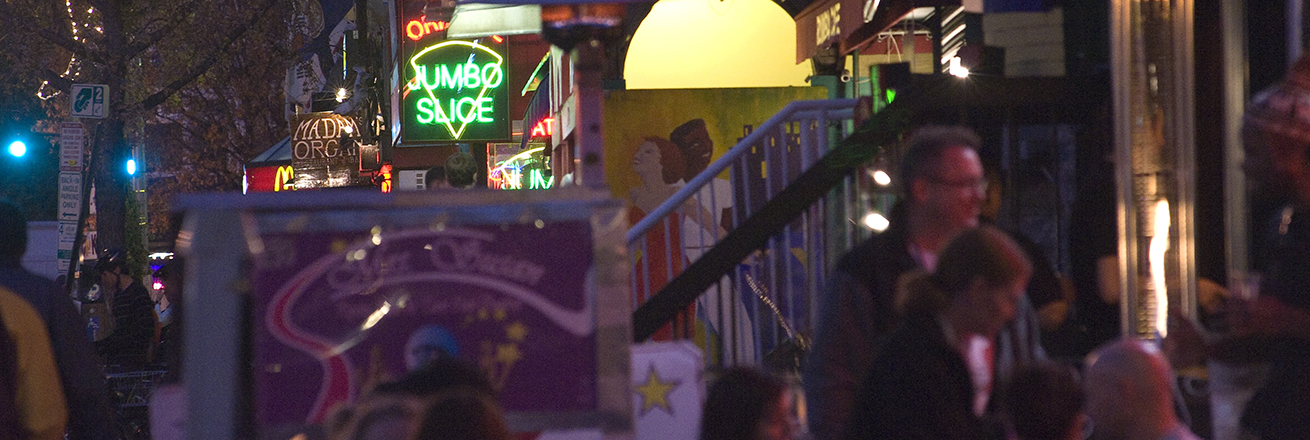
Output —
<point x="435" y="178"/>
<point x="129" y="346"/>
<point x="944" y="187"/>
<point x="399" y="409"/>
<point x="1044" y="401"/>
<point x="462" y="416"/>
<point x="747" y="404"/>
<point x="1276" y="137"/>
<point x="90" y="413"/>
<point x="461" y="170"/>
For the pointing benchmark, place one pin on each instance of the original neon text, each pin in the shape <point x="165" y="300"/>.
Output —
<point x="417" y="29"/>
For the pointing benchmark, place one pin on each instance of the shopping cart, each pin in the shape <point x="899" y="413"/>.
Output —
<point x="130" y="391"/>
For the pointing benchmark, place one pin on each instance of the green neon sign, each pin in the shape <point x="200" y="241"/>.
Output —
<point x="456" y="91"/>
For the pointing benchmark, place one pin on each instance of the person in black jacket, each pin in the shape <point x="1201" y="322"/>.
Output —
<point x="90" y="413"/>
<point x="944" y="187"/>
<point x="133" y="311"/>
<point x="1276" y="137"/>
<point x="932" y="379"/>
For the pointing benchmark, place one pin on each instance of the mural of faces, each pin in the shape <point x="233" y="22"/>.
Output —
<point x="694" y="141"/>
<point x="658" y="160"/>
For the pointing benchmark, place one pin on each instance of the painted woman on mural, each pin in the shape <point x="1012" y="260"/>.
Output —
<point x="660" y="166"/>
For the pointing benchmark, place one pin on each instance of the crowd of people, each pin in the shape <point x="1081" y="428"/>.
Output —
<point x="928" y="330"/>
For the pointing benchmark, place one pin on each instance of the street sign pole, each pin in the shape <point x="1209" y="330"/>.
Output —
<point x="72" y="142"/>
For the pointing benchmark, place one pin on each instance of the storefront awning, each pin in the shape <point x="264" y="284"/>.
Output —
<point x="278" y="154"/>
<point x="271" y="170"/>
<point x="473" y="20"/>
<point x="850" y="23"/>
<point x="539" y="107"/>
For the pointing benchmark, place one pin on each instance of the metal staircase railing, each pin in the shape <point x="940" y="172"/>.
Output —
<point x="738" y="262"/>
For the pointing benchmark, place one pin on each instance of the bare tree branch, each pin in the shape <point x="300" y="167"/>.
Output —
<point x="56" y="80"/>
<point x="194" y="148"/>
<point x="204" y="65"/>
<point x="136" y="45"/>
<point x="98" y="4"/>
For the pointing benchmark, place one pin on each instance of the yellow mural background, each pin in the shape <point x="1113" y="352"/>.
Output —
<point x="632" y="115"/>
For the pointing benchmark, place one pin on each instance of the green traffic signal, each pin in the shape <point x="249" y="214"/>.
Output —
<point x="17" y="148"/>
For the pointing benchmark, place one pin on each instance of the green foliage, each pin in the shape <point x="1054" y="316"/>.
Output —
<point x="138" y="257"/>
<point x="204" y="134"/>
<point x="209" y="69"/>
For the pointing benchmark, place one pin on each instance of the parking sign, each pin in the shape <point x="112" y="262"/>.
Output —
<point x="90" y="100"/>
<point x="70" y="196"/>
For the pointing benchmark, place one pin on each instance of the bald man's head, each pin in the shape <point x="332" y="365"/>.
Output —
<point x="1128" y="388"/>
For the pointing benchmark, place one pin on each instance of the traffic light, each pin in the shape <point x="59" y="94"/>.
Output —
<point x="130" y="167"/>
<point x="17" y="148"/>
<point x="16" y="137"/>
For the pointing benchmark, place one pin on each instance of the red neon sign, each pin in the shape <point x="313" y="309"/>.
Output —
<point x="385" y="173"/>
<point x="271" y="178"/>
<point x="543" y="128"/>
<point x="417" y="29"/>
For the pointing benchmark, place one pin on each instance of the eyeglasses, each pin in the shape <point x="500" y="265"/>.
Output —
<point x="979" y="184"/>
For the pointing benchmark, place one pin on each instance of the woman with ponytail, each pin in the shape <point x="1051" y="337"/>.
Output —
<point x="933" y="377"/>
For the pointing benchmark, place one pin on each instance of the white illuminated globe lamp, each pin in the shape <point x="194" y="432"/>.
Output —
<point x="341" y="95"/>
<point x="17" y="149"/>
<point x="876" y="221"/>
<point x="958" y="70"/>
<point x="880" y="177"/>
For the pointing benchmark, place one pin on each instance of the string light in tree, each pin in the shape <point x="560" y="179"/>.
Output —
<point x="72" y="70"/>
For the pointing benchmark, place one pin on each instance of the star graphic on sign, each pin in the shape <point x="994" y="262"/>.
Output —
<point x="508" y="354"/>
<point x="516" y="332"/>
<point x="655" y="392"/>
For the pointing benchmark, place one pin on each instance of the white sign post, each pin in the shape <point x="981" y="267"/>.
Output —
<point x="72" y="143"/>
<point x="70" y="196"/>
<point x="89" y="100"/>
<point x="64" y="250"/>
<point x="70" y="208"/>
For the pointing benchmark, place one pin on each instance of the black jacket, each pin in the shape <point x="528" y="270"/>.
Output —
<point x="918" y="387"/>
<point x="90" y="413"/>
<point x="858" y="313"/>
<point x="134" y="328"/>
<point x="1281" y="410"/>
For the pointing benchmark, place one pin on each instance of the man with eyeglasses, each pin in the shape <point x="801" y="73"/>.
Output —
<point x="943" y="190"/>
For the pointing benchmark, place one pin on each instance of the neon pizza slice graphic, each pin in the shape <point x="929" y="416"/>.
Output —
<point x="448" y="85"/>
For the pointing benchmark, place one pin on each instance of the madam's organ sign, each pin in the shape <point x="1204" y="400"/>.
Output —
<point x="456" y="90"/>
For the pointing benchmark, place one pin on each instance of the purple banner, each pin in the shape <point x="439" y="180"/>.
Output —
<point x="338" y="310"/>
